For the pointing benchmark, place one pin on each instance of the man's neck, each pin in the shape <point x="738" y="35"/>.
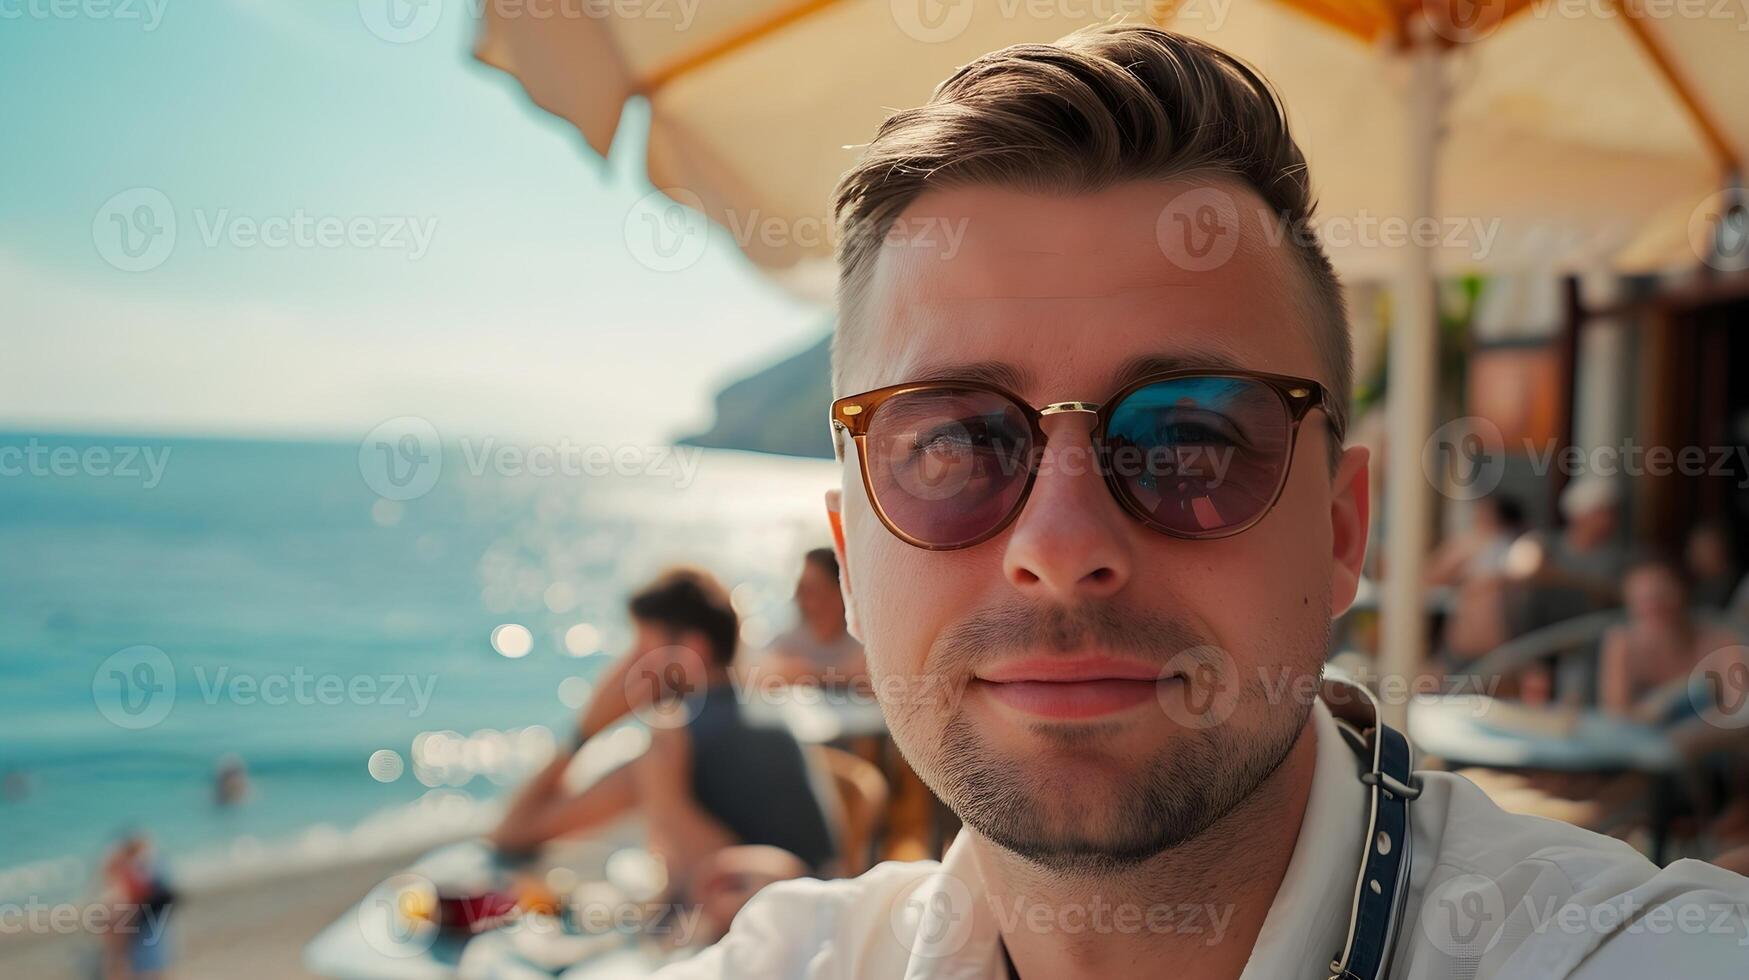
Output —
<point x="1197" y="908"/>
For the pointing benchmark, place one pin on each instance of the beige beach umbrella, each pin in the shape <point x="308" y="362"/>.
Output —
<point x="1574" y="132"/>
<point x="1442" y="135"/>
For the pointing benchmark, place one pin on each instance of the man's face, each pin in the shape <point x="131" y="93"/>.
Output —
<point x="1063" y="291"/>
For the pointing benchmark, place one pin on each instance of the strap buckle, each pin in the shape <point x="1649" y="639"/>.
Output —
<point x="1381" y="887"/>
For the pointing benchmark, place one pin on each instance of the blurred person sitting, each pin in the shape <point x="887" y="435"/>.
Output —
<point x="728" y="804"/>
<point x="1473" y="563"/>
<point x="1480" y="551"/>
<point x="1557" y="576"/>
<point x="1712" y="566"/>
<point x="1546" y="577"/>
<point x="1647" y="662"/>
<point x="820" y="649"/>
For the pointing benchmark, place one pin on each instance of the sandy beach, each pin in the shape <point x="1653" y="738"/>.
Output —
<point x="256" y="930"/>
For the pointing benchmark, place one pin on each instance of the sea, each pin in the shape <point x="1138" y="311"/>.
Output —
<point x="379" y="658"/>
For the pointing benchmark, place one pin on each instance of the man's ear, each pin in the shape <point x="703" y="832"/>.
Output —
<point x="1350" y="517"/>
<point x="835" y="517"/>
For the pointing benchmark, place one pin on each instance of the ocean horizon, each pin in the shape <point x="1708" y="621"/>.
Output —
<point x="379" y="633"/>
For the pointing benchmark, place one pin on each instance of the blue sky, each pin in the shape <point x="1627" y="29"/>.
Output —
<point x="520" y="312"/>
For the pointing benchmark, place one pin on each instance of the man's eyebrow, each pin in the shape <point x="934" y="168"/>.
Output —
<point x="998" y="373"/>
<point x="1018" y="380"/>
<point x="1137" y="368"/>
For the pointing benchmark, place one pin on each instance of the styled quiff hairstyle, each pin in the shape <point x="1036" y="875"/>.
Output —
<point x="1102" y="106"/>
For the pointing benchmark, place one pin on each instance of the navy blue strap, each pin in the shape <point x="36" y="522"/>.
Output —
<point x="1387" y="770"/>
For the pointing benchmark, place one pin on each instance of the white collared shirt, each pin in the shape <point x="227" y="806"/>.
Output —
<point x="1491" y="894"/>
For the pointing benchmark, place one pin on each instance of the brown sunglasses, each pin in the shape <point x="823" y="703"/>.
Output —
<point x="1192" y="454"/>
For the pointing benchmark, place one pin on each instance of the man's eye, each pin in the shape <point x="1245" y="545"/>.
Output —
<point x="960" y="436"/>
<point x="1200" y="429"/>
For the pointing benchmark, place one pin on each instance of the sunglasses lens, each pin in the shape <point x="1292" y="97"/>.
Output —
<point x="1199" y="456"/>
<point x="947" y="466"/>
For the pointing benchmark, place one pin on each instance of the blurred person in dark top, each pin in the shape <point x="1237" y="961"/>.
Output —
<point x="724" y="799"/>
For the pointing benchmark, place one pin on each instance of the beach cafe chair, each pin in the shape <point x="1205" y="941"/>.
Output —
<point x="858" y="800"/>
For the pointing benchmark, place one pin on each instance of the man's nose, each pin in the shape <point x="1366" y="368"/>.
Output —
<point x="1071" y="540"/>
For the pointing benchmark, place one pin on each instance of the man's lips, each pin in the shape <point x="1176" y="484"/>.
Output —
<point x="1065" y="688"/>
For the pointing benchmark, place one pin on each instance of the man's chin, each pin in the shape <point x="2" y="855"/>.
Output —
<point x="1082" y="843"/>
<point x="1090" y="798"/>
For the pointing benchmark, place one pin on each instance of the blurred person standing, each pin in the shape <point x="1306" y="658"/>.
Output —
<point x="136" y="944"/>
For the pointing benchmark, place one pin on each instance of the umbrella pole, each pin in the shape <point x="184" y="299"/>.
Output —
<point x="1413" y="379"/>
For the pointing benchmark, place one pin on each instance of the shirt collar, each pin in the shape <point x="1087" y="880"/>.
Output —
<point x="1309" y="917"/>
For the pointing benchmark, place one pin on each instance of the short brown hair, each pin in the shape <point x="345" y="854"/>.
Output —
<point x="689" y="599"/>
<point x="1101" y="106"/>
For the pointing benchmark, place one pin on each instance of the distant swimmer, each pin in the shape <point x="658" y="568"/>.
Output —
<point x="230" y="781"/>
